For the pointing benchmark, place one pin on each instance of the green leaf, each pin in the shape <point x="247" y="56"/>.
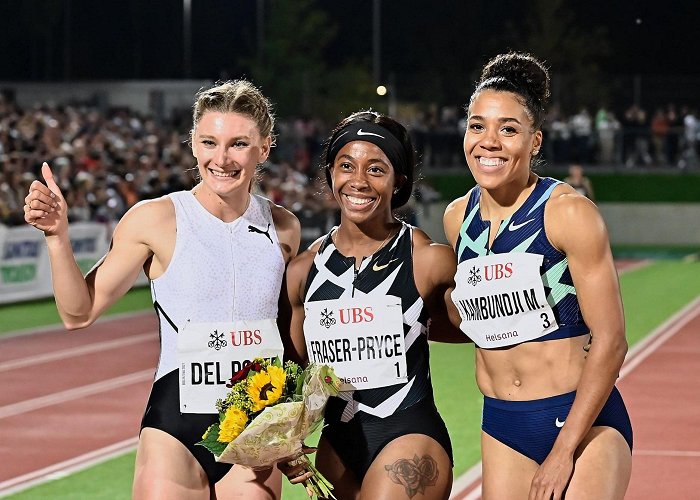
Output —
<point x="211" y="443"/>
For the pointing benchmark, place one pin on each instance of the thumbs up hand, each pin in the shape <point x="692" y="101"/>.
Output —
<point x="45" y="208"/>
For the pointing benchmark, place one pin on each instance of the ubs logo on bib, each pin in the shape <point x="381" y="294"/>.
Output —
<point x="327" y="318"/>
<point x="498" y="271"/>
<point x="354" y="315"/>
<point x="474" y="276"/>
<point x="217" y="340"/>
<point x="246" y="337"/>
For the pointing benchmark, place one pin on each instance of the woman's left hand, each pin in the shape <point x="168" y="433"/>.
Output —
<point x="552" y="477"/>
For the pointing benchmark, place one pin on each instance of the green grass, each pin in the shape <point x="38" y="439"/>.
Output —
<point x="651" y="294"/>
<point x="38" y="313"/>
<point x="110" y="480"/>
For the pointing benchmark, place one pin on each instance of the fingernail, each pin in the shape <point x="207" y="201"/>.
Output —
<point x="53" y="195"/>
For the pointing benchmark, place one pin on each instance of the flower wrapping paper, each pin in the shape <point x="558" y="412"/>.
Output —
<point x="278" y="432"/>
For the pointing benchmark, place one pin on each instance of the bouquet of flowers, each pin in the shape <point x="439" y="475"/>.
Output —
<point x="270" y="409"/>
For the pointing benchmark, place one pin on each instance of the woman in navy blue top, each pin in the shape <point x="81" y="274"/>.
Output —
<point x="537" y="291"/>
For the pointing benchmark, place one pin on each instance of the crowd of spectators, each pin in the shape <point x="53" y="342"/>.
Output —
<point x="106" y="162"/>
<point x="667" y="138"/>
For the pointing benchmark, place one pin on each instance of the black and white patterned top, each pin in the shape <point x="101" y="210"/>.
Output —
<point x="387" y="272"/>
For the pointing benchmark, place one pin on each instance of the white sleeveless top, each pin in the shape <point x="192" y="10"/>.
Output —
<point x="220" y="271"/>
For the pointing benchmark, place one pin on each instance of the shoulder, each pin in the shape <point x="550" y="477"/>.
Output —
<point x="432" y="256"/>
<point x="457" y="207"/>
<point x="572" y="219"/>
<point x="147" y="216"/>
<point x="298" y="270"/>
<point x="454" y="215"/>
<point x="283" y="218"/>
<point x="287" y="227"/>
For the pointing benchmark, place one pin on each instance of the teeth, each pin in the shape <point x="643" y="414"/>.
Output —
<point x="223" y="174"/>
<point x="358" y="201"/>
<point x="491" y="162"/>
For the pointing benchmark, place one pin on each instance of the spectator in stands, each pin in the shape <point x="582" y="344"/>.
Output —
<point x="637" y="132"/>
<point x="582" y="132"/>
<point x="659" y="133"/>
<point x="691" y="130"/>
<point x="580" y="182"/>
<point x="607" y="127"/>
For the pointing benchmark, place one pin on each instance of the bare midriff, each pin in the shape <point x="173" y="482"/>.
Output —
<point x="532" y="370"/>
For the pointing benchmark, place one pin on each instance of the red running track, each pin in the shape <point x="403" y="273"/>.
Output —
<point x="73" y="398"/>
<point x="66" y="395"/>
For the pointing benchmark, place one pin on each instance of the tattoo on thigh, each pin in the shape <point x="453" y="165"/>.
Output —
<point x="414" y="475"/>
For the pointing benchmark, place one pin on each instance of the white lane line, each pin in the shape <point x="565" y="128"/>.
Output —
<point x="76" y="351"/>
<point x="70" y="394"/>
<point x="62" y="469"/>
<point x="463" y="482"/>
<point x="642" y="350"/>
<point x="59" y="328"/>
<point x="475" y="494"/>
<point x="667" y="453"/>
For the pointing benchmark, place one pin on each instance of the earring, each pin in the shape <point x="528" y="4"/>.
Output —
<point x="396" y="190"/>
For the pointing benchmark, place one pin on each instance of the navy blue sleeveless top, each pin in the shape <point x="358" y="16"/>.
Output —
<point x="524" y="232"/>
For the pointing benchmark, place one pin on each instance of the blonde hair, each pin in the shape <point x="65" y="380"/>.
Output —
<point x="235" y="96"/>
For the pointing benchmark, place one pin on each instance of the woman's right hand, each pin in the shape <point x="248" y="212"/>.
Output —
<point x="45" y="208"/>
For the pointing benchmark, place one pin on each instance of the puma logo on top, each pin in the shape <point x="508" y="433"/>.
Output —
<point x="253" y="229"/>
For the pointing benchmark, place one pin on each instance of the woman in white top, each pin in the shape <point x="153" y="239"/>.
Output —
<point x="213" y="254"/>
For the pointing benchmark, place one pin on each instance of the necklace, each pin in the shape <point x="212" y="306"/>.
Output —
<point x="334" y="239"/>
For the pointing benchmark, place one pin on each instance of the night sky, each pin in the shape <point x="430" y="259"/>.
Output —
<point x="136" y="39"/>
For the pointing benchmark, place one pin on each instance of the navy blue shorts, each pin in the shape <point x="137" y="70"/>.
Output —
<point x="531" y="427"/>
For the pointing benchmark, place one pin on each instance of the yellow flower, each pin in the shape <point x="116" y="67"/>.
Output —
<point x="266" y="387"/>
<point x="233" y="424"/>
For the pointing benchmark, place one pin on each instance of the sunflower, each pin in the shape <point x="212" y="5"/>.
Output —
<point x="233" y="424"/>
<point x="265" y="387"/>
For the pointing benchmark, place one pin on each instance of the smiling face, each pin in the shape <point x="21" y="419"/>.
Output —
<point x="363" y="182"/>
<point x="499" y="142"/>
<point x="228" y="147"/>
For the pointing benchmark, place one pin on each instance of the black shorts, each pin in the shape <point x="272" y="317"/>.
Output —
<point x="163" y="413"/>
<point x="359" y="441"/>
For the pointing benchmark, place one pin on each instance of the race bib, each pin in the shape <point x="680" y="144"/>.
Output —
<point x="361" y="338"/>
<point x="501" y="299"/>
<point x="210" y="353"/>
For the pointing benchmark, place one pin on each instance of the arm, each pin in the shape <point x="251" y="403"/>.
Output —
<point x="435" y="282"/>
<point x="81" y="300"/>
<point x="453" y="217"/>
<point x="575" y="226"/>
<point x="288" y="231"/>
<point x="293" y="332"/>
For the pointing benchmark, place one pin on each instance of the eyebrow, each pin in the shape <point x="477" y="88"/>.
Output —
<point x="236" y="138"/>
<point x="500" y="120"/>
<point x="370" y="160"/>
